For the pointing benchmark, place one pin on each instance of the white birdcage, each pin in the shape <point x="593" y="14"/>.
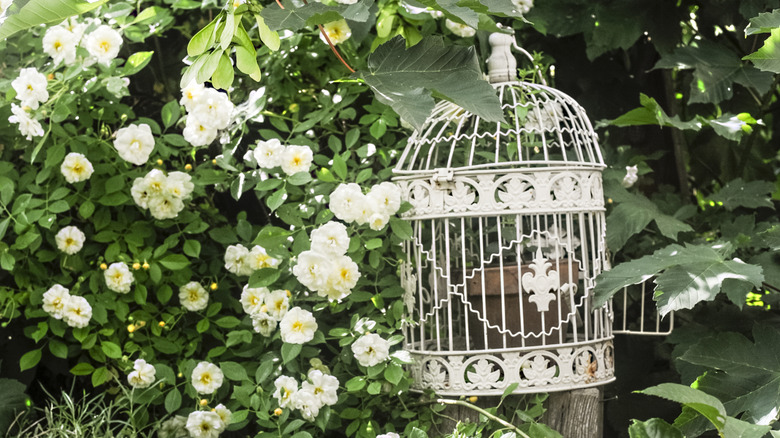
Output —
<point x="509" y="235"/>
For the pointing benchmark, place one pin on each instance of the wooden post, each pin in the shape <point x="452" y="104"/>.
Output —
<point x="574" y="414"/>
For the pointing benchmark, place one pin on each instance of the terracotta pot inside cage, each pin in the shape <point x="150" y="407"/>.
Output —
<point x="531" y="317"/>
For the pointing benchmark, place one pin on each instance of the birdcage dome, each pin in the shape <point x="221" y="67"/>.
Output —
<point x="508" y="238"/>
<point x="543" y="127"/>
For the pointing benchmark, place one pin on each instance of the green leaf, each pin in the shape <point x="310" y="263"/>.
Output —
<point x="264" y="370"/>
<point x="223" y="75"/>
<point x="100" y="376"/>
<point x="30" y="359"/>
<point x="227" y="322"/>
<point x="38" y="12"/>
<point x="653" y="428"/>
<point x="703" y="403"/>
<point x="174" y="262"/>
<point x="738" y="193"/>
<point x="453" y="11"/>
<point x="170" y="113"/>
<point x="173" y="400"/>
<point x="82" y="369"/>
<point x="276" y="199"/>
<point x="58" y="349"/>
<point x="394" y="373"/>
<point x="355" y="384"/>
<point x="136" y="62"/>
<point x="264" y="277"/>
<point x="111" y="349"/>
<point x="764" y="23"/>
<point x="695" y="273"/>
<point x="246" y="61"/>
<point x="404" y="79"/>
<point x="339" y="167"/>
<point x="269" y="37"/>
<point x="202" y="325"/>
<point x="233" y="371"/>
<point x="736" y="428"/>
<point x="715" y="70"/>
<point x="204" y="39"/>
<point x="290" y="351"/>
<point x="191" y="248"/>
<point x="295" y="18"/>
<point x="745" y="374"/>
<point x="767" y="58"/>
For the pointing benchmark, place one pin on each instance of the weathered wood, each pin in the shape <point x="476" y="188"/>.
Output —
<point x="574" y="414"/>
<point x="578" y="413"/>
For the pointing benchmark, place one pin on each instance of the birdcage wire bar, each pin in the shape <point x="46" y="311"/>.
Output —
<point x="638" y="315"/>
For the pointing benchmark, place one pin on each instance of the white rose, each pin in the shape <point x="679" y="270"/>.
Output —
<point x="140" y="192"/>
<point x="28" y="126"/>
<point x="389" y="435"/>
<point x="174" y="427"/>
<point x="312" y="269"/>
<point x="212" y="108"/>
<point x="307" y="403"/>
<point x="298" y="326"/>
<point x="142" y="375"/>
<point x="385" y="197"/>
<point x="371" y="349"/>
<point x="330" y="239"/>
<point x="77" y="312"/>
<point x="259" y="259"/>
<point x="190" y="95"/>
<point x="459" y="29"/>
<point x="377" y="221"/>
<point x="165" y="207"/>
<point x="263" y="323"/>
<point x="224" y="415"/>
<point x="277" y="303"/>
<point x="193" y="296"/>
<point x="341" y="280"/>
<point x="286" y="387"/>
<point x="156" y="182"/>
<point x="268" y="154"/>
<point x="237" y="260"/>
<point x="337" y="31"/>
<point x="118" y="277"/>
<point x="324" y="386"/>
<point x="135" y="143"/>
<point x="523" y="6"/>
<point x="60" y="44"/>
<point x="206" y="378"/>
<point x="296" y="159"/>
<point x="76" y="168"/>
<point x="70" y="240"/>
<point x="252" y="299"/>
<point x="347" y="202"/>
<point x="204" y="424"/>
<point x="104" y="44"/>
<point x="179" y="185"/>
<point x="197" y="132"/>
<point x="54" y="300"/>
<point x="30" y="87"/>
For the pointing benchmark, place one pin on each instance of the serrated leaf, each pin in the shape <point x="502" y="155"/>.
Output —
<point x="404" y="79"/>
<point x="173" y="400"/>
<point x="290" y="351"/>
<point x="295" y="18"/>
<point x="453" y="11"/>
<point x="174" y="262"/>
<point x="736" y="428"/>
<point x="30" y="359"/>
<point x="767" y="58"/>
<point x="738" y="193"/>
<point x="233" y="371"/>
<point x="764" y="23"/>
<point x="715" y="70"/>
<point x="703" y="403"/>
<point x="745" y="375"/>
<point x="82" y="369"/>
<point x="37" y="12"/>
<point x="653" y="428"/>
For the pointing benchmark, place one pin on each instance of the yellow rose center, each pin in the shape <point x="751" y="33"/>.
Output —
<point x="105" y="46"/>
<point x="297" y="326"/>
<point x="205" y="378"/>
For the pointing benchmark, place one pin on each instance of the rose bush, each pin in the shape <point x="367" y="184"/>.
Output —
<point x="114" y="205"/>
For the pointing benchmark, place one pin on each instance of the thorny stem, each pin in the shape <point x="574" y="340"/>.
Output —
<point x="499" y="420"/>
<point x="325" y="35"/>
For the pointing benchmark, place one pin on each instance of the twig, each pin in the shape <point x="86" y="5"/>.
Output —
<point x="325" y="35"/>
<point x="499" y="420"/>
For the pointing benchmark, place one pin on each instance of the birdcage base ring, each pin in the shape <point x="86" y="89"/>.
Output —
<point x="564" y="368"/>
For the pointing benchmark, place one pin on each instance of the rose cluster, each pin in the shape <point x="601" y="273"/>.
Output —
<point x="325" y="268"/>
<point x="208" y="111"/>
<point x="349" y="204"/>
<point x="266" y="308"/>
<point x="292" y="159"/>
<point x="320" y="389"/>
<point x="162" y="195"/>
<point x="73" y="309"/>
<point x="242" y="261"/>
<point x="30" y="87"/>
